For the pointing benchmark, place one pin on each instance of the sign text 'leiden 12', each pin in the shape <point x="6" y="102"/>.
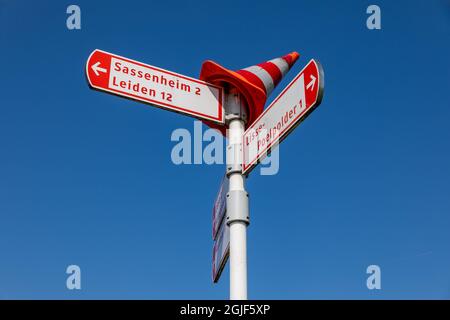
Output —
<point x="149" y="84"/>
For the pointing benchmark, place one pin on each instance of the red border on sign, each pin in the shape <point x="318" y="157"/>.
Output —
<point x="319" y="82"/>
<point x="219" y="118"/>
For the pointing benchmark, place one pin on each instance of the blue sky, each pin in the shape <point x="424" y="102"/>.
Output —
<point x="86" y="178"/>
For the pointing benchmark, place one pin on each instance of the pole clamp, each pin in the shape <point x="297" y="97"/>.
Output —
<point x="234" y="158"/>
<point x="236" y="106"/>
<point x="237" y="207"/>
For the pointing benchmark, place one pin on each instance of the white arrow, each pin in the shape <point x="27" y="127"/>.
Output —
<point x="311" y="83"/>
<point x="96" y="68"/>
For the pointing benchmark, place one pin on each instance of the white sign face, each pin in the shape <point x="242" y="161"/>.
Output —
<point x="219" y="209"/>
<point x="221" y="251"/>
<point x="293" y="105"/>
<point x="159" y="87"/>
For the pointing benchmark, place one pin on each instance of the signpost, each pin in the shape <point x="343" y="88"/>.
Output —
<point x="158" y="87"/>
<point x="171" y="91"/>
<point x="293" y="105"/>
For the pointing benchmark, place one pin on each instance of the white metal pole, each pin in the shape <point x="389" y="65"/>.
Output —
<point x="237" y="199"/>
<point x="238" y="230"/>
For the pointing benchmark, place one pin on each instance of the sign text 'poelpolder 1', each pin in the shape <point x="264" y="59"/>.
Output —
<point x="149" y="84"/>
<point x="293" y="105"/>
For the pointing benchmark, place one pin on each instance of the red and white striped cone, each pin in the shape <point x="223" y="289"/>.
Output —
<point x="255" y="83"/>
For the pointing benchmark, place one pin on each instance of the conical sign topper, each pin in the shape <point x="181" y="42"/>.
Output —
<point x="255" y="83"/>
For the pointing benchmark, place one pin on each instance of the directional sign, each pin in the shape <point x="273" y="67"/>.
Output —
<point x="293" y="105"/>
<point x="219" y="208"/>
<point x="221" y="251"/>
<point x="161" y="88"/>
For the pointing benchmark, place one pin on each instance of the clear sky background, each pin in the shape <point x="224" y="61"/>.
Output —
<point x="86" y="178"/>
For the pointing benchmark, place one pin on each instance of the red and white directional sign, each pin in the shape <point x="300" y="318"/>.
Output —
<point x="293" y="105"/>
<point x="221" y="251"/>
<point x="149" y="84"/>
<point x="219" y="209"/>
